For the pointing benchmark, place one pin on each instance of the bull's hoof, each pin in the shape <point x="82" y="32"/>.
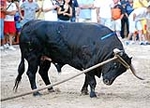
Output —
<point x="84" y="92"/>
<point x="93" y="95"/>
<point x="37" y="94"/>
<point x="51" y="90"/>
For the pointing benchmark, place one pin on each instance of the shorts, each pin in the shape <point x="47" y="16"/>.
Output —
<point x="9" y="27"/>
<point x="1" y="28"/>
<point x="134" y="26"/>
<point x="23" y="22"/>
<point x="116" y="25"/>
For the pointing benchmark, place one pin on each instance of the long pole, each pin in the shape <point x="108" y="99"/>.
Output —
<point x="65" y="80"/>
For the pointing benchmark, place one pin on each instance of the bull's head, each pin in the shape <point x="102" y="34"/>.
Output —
<point x="113" y="69"/>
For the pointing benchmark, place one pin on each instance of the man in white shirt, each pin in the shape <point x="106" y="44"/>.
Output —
<point x="134" y="22"/>
<point x="9" y="24"/>
<point x="103" y="11"/>
<point x="50" y="10"/>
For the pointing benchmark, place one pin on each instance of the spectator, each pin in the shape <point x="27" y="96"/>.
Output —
<point x="139" y="4"/>
<point x="128" y="7"/>
<point x="17" y="19"/>
<point x="9" y="24"/>
<point x="116" y="22"/>
<point x="30" y="8"/>
<point x="2" y="16"/>
<point x="86" y="7"/>
<point x="103" y="12"/>
<point x="65" y="11"/>
<point x="50" y="10"/>
<point x="135" y="23"/>
<point x="75" y="10"/>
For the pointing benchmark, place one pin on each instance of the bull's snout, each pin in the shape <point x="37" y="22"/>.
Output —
<point x="106" y="81"/>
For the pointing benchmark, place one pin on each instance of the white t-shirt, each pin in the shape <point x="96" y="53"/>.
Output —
<point x="105" y="7"/>
<point x="141" y="13"/>
<point x="50" y="15"/>
<point x="12" y="7"/>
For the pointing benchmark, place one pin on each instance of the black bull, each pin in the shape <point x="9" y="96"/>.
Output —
<point x="81" y="45"/>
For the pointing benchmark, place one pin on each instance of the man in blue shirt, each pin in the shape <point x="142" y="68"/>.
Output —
<point x="30" y="8"/>
<point x="128" y="7"/>
<point x="86" y="7"/>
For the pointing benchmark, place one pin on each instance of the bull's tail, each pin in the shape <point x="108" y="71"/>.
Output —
<point x="21" y="69"/>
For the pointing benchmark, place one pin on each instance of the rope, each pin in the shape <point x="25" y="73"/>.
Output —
<point x="65" y="80"/>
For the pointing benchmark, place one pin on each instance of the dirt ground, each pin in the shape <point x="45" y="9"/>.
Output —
<point x="126" y="92"/>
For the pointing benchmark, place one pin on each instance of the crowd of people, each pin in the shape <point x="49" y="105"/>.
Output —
<point x="128" y="18"/>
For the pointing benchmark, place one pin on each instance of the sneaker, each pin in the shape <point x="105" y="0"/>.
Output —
<point x="1" y="47"/>
<point x="127" y="42"/>
<point x="148" y="43"/>
<point x="6" y="46"/>
<point x="141" y="43"/>
<point x="12" y="48"/>
<point x="132" y="42"/>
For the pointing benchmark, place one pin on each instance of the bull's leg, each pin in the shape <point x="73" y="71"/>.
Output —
<point x="92" y="83"/>
<point x="31" y="72"/>
<point x="84" y="89"/>
<point x="43" y="71"/>
<point x="21" y="69"/>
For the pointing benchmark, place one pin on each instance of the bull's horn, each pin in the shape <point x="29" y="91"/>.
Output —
<point x="116" y="51"/>
<point x="134" y="72"/>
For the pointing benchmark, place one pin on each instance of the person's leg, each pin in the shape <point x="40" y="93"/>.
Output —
<point x="2" y="31"/>
<point x="140" y="34"/>
<point x="132" y="30"/>
<point x="123" y="22"/>
<point x="109" y="23"/>
<point x="12" y="31"/>
<point x="118" y="28"/>
<point x="6" y="34"/>
<point x="127" y="26"/>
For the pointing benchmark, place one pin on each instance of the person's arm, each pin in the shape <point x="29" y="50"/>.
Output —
<point x="60" y="11"/>
<point x="122" y="12"/>
<point x="70" y="13"/>
<point x="11" y="13"/>
<point x="37" y="8"/>
<point x="22" y="8"/>
<point x="142" y="3"/>
<point x="134" y="15"/>
<point x="97" y="14"/>
<point x="77" y="9"/>
<point x="49" y="9"/>
<point x="87" y="6"/>
<point x="19" y="9"/>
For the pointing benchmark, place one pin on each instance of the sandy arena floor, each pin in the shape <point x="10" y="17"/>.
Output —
<point x="126" y="92"/>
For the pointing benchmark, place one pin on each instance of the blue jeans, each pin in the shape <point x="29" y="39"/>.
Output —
<point x="1" y="28"/>
<point x="73" y="19"/>
<point x="63" y="20"/>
